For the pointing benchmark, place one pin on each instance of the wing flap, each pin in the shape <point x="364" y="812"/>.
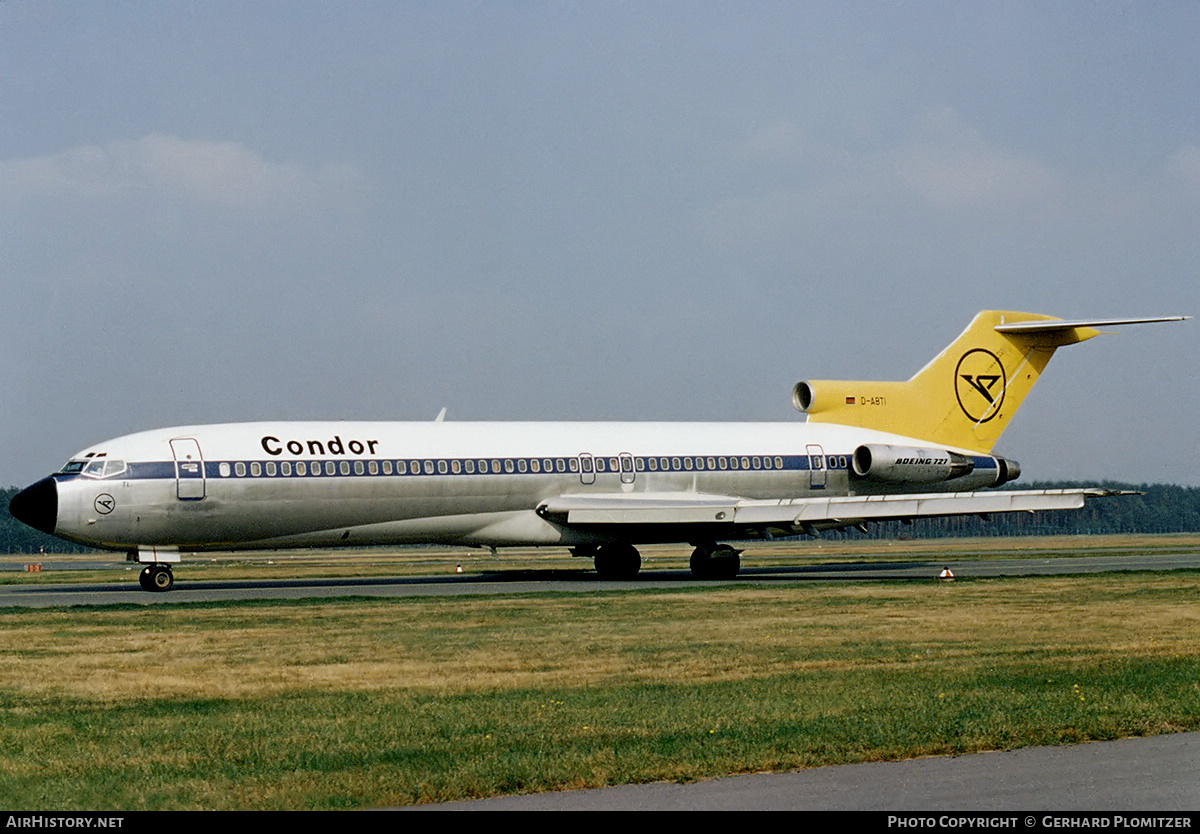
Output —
<point x="799" y="513"/>
<point x="641" y="508"/>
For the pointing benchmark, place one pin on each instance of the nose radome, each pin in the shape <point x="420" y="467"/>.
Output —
<point x="37" y="505"/>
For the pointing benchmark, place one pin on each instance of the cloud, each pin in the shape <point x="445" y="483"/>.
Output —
<point x="949" y="164"/>
<point x="796" y="186"/>
<point x="222" y="174"/>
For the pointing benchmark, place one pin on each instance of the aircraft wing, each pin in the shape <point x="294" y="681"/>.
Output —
<point x="800" y="514"/>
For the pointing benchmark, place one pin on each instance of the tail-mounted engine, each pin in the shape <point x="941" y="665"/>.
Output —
<point x="913" y="465"/>
<point x="908" y="464"/>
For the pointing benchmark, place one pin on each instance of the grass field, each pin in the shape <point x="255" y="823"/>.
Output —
<point x="358" y="703"/>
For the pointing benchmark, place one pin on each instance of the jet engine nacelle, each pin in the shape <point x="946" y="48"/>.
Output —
<point x="908" y="464"/>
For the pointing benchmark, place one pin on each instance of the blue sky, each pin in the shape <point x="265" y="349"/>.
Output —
<point x="613" y="210"/>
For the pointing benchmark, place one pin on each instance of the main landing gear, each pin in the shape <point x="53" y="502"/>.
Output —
<point x="715" y="562"/>
<point x="618" y="561"/>
<point x="622" y="561"/>
<point x="156" y="577"/>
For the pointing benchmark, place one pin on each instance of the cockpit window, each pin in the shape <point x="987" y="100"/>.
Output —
<point x="72" y="467"/>
<point x="99" y="468"/>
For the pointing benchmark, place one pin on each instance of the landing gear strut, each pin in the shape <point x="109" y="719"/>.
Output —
<point x="618" y="561"/>
<point x="715" y="562"/>
<point x="156" y="577"/>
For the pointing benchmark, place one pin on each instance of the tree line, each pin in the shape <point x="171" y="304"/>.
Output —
<point x="1160" y="508"/>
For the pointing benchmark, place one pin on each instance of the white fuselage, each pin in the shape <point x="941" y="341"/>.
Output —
<point x="282" y="484"/>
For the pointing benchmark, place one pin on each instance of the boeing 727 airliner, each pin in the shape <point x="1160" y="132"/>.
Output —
<point x="868" y="451"/>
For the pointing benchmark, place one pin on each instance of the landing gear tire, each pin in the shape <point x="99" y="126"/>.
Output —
<point x="157" y="578"/>
<point x="715" y="562"/>
<point x="618" y="561"/>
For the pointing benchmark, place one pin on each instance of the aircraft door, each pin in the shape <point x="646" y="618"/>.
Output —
<point x="587" y="469"/>
<point x="189" y="469"/>
<point x="627" y="470"/>
<point x="816" y="467"/>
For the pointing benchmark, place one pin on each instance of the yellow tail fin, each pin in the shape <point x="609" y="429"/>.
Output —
<point x="966" y="396"/>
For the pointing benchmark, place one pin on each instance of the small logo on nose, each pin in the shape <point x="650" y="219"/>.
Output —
<point x="104" y="503"/>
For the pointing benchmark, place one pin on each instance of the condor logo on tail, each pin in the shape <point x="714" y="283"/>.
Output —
<point x="979" y="383"/>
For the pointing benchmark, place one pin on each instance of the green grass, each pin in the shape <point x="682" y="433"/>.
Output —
<point x="369" y="703"/>
<point x="350" y="750"/>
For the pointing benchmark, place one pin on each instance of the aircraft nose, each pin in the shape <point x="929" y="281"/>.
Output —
<point x="37" y="505"/>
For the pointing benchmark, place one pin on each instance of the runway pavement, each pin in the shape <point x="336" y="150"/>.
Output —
<point x="1143" y="776"/>
<point x="124" y="588"/>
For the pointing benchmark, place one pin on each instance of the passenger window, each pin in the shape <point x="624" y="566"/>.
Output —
<point x="239" y="469"/>
<point x="285" y="468"/>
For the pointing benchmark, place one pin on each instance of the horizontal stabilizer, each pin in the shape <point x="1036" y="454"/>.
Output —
<point x="1057" y="326"/>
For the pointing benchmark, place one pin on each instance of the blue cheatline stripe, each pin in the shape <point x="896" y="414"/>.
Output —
<point x="425" y="467"/>
<point x="475" y="467"/>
